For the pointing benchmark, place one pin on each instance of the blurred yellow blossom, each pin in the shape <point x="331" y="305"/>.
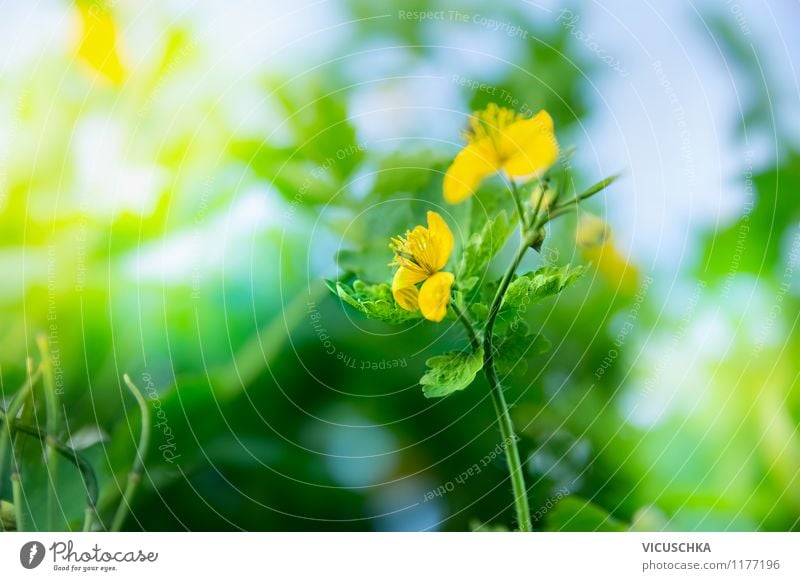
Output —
<point x="97" y="46"/>
<point x="594" y="238"/>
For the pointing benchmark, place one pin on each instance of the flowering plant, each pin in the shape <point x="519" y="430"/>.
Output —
<point x="428" y="284"/>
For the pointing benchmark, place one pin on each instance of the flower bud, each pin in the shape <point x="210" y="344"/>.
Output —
<point x="592" y="231"/>
<point x="537" y="242"/>
<point x="542" y="191"/>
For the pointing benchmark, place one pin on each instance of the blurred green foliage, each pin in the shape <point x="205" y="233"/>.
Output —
<point x="152" y="228"/>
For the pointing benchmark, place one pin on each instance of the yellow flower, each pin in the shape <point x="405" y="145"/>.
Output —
<point x="98" y="42"/>
<point x="501" y="140"/>
<point x="421" y="255"/>
<point x="595" y="240"/>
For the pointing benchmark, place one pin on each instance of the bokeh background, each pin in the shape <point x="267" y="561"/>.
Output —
<point x="177" y="178"/>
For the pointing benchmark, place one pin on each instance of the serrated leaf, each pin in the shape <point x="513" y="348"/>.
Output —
<point x="450" y="372"/>
<point x="534" y="287"/>
<point x="512" y="349"/>
<point x="374" y="300"/>
<point x="482" y="246"/>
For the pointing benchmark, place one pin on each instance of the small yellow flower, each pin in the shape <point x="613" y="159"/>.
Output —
<point x="98" y="42"/>
<point x="501" y="140"/>
<point x="421" y="255"/>
<point x="597" y="245"/>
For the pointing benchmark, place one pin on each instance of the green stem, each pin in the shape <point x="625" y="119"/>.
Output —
<point x="496" y="390"/>
<point x="135" y="475"/>
<point x="563" y="209"/>
<point x="518" y="203"/>
<point x="474" y="341"/>
<point x="51" y="426"/>
<point x="16" y="491"/>
<point x="587" y="193"/>
<point x="87" y="473"/>
<point x="7" y="433"/>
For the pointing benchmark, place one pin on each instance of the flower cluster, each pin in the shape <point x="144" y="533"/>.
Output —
<point x="498" y="140"/>
<point x="522" y="150"/>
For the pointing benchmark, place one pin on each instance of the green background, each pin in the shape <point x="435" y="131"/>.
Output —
<point x="177" y="225"/>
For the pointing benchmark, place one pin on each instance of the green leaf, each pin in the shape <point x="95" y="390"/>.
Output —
<point x="450" y="372"/>
<point x="574" y="514"/>
<point x="374" y="300"/>
<point x="480" y="312"/>
<point x="598" y="187"/>
<point x="483" y="246"/>
<point x="515" y="346"/>
<point x="534" y="287"/>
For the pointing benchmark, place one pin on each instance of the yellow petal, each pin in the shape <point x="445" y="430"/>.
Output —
<point x="441" y="239"/>
<point x="469" y="168"/>
<point x="529" y="147"/>
<point x="614" y="267"/>
<point x="407" y="297"/>
<point x="98" y="42"/>
<point x="403" y="287"/>
<point x="434" y="296"/>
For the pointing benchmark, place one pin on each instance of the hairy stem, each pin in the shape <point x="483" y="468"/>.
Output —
<point x="496" y="390"/>
<point x="518" y="203"/>
<point x="135" y="475"/>
<point x="474" y="341"/>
